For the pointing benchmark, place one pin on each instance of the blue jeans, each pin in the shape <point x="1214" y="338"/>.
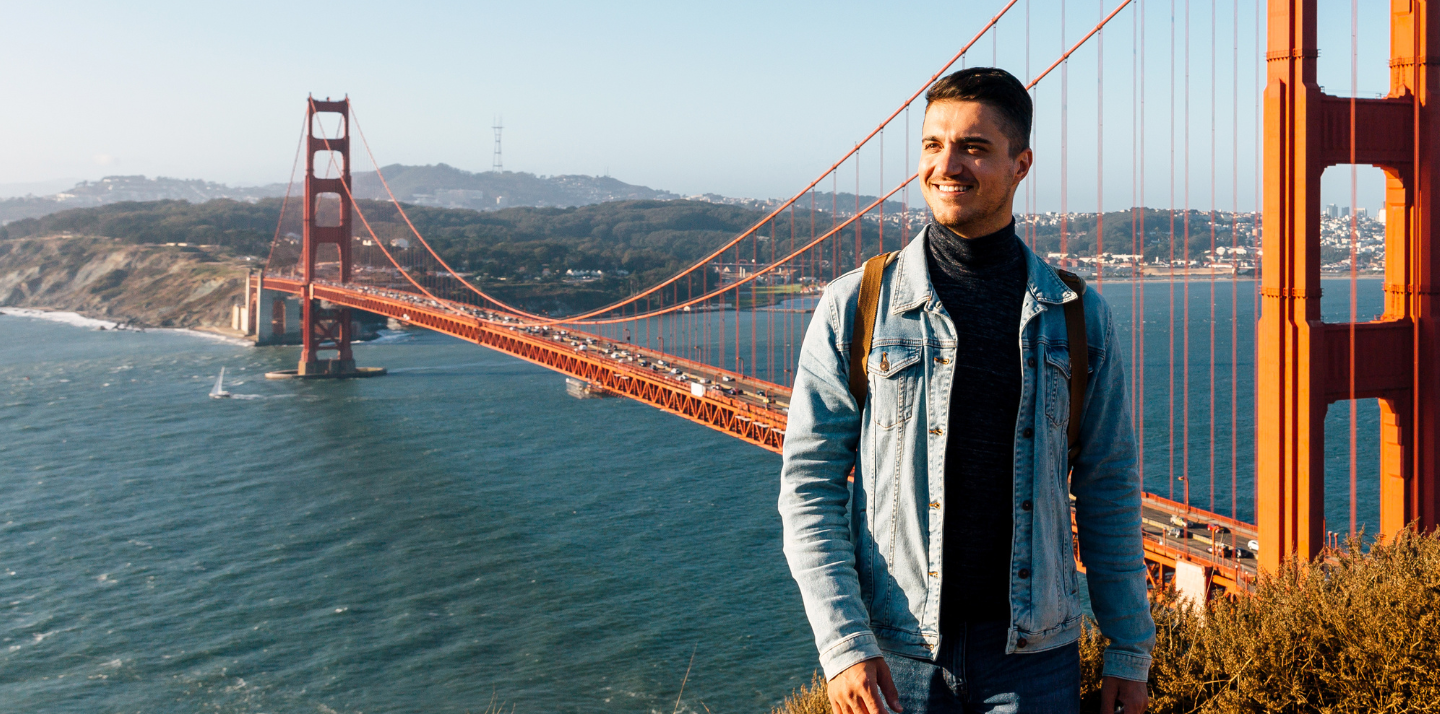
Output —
<point x="973" y="674"/>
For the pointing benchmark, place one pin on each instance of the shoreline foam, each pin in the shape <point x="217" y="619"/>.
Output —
<point x="75" y="319"/>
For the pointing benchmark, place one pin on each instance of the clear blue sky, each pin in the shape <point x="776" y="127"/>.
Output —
<point x="738" y="98"/>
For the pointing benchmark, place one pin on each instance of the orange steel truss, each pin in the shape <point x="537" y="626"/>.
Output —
<point x="758" y="426"/>
<point x="326" y="327"/>
<point x="1305" y="363"/>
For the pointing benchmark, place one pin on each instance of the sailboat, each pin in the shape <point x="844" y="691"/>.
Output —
<point x="219" y="391"/>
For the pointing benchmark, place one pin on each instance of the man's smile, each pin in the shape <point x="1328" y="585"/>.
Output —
<point x="952" y="189"/>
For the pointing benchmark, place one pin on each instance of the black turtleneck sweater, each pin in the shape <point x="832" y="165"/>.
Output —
<point x="981" y="283"/>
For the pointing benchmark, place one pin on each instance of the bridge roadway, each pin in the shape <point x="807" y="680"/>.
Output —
<point x="741" y="407"/>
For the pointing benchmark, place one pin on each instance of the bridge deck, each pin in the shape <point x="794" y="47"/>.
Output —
<point x="745" y="408"/>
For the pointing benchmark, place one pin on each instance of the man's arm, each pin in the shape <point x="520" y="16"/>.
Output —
<point x="821" y="437"/>
<point x="1107" y="490"/>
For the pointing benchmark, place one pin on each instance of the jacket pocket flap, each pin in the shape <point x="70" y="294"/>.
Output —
<point x="1060" y="358"/>
<point x="890" y="360"/>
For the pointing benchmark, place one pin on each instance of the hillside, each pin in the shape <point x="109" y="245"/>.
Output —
<point x="510" y="251"/>
<point x="103" y="277"/>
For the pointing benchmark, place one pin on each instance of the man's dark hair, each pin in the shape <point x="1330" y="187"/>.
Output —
<point x="993" y="87"/>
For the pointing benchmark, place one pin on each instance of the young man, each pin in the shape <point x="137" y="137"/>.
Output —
<point x="943" y="578"/>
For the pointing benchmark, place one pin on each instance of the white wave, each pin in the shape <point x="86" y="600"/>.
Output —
<point x="68" y="318"/>
<point x="389" y="337"/>
<point x="213" y="337"/>
<point x="78" y="320"/>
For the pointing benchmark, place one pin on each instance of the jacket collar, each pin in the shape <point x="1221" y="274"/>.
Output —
<point x="912" y="287"/>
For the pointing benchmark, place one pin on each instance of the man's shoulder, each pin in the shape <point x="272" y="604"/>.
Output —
<point x="846" y="288"/>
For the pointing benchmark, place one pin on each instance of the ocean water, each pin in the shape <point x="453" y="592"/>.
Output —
<point x="460" y="533"/>
<point x="456" y="534"/>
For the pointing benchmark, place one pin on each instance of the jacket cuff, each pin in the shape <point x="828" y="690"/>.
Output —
<point x="848" y="652"/>
<point x="1125" y="665"/>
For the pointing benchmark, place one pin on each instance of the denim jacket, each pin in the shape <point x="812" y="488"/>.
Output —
<point x="867" y="555"/>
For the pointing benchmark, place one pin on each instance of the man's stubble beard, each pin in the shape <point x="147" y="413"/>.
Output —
<point x="1003" y="202"/>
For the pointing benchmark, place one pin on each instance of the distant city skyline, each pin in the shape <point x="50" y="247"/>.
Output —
<point x="748" y="100"/>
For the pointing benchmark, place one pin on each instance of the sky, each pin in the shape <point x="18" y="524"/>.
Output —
<point x="737" y="98"/>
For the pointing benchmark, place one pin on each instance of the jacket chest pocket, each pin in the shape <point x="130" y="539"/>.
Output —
<point x="1057" y="389"/>
<point x="894" y="380"/>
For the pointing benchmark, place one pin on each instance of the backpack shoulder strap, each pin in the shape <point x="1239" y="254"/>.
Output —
<point x="1079" y="356"/>
<point x="864" y="328"/>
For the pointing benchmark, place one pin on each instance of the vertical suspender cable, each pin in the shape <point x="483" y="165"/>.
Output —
<point x="1140" y="311"/>
<point x="1257" y="227"/>
<point x="1185" y="312"/>
<point x="858" y="223"/>
<point x="1213" y="259"/>
<point x="1354" y="243"/>
<point x="905" y="196"/>
<point x="1170" y="272"/>
<point x="1100" y="155"/>
<point x="1235" y="275"/>
<point x="882" y="190"/>
<point x="1029" y="184"/>
<point x="1064" y="144"/>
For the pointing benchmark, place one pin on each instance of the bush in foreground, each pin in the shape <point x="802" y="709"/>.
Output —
<point x="1360" y="633"/>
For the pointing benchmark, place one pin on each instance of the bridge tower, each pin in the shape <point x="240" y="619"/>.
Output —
<point x="326" y="327"/>
<point x="1308" y="364"/>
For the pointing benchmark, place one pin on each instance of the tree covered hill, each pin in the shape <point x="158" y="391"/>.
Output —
<point x="639" y="237"/>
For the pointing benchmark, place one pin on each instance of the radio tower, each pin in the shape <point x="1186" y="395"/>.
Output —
<point x="497" y="165"/>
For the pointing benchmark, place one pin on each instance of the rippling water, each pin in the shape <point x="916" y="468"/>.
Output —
<point x="457" y="531"/>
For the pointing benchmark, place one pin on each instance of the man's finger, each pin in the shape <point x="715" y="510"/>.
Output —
<point x="1107" y="696"/>
<point x="887" y="688"/>
<point x="868" y="703"/>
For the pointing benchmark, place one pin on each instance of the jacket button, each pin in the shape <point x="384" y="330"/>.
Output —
<point x="1030" y="362"/>
<point x="1021" y="642"/>
<point x="1028" y="432"/>
<point x="1024" y="573"/>
<point x="1025" y="505"/>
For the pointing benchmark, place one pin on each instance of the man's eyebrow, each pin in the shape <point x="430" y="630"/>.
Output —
<point x="962" y="140"/>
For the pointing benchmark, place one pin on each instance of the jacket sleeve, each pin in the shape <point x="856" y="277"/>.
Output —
<point x="1106" y="485"/>
<point x="821" y="436"/>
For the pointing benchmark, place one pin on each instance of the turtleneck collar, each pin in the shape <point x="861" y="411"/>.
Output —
<point x="949" y="251"/>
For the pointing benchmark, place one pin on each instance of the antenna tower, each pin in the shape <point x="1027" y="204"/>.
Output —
<point x="497" y="165"/>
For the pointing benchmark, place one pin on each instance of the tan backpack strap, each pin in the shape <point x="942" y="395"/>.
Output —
<point x="864" y="328"/>
<point x="1079" y="356"/>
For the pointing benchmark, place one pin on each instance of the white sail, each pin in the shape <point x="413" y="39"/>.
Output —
<point x="219" y="391"/>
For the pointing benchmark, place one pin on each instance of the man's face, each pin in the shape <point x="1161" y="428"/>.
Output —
<point x="967" y="175"/>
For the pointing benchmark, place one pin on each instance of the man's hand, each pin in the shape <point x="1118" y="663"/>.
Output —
<point x="1116" y="695"/>
<point x="853" y="691"/>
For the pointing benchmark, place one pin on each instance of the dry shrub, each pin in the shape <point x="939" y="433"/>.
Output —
<point x="1359" y="634"/>
<point x="811" y="699"/>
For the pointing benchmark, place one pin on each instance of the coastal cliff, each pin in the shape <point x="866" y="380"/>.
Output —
<point x="149" y="285"/>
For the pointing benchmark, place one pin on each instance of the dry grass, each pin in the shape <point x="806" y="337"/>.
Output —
<point x="811" y="699"/>
<point x="1361" y="634"/>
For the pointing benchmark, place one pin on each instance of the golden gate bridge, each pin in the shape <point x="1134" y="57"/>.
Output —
<point x="716" y="343"/>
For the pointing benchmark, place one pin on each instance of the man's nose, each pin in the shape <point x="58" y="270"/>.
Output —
<point x="953" y="163"/>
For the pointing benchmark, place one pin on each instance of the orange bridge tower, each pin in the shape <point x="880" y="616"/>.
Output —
<point x="1305" y="363"/>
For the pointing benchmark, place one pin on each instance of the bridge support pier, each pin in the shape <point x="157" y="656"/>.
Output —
<point x="1308" y="363"/>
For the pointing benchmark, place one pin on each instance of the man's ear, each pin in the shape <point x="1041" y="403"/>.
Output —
<point x="1023" y="162"/>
